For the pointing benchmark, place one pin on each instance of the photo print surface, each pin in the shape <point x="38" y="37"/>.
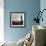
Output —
<point x="17" y="19"/>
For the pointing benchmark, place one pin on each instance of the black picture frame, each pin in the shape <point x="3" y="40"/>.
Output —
<point x="17" y="19"/>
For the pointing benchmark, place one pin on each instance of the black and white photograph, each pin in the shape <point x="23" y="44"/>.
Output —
<point x="17" y="19"/>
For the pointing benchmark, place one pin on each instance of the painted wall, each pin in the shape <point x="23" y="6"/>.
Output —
<point x="30" y="7"/>
<point x="1" y="21"/>
<point x="43" y="6"/>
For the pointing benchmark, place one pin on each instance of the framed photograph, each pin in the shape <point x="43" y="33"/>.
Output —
<point x="17" y="19"/>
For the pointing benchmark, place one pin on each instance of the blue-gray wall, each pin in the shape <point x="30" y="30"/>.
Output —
<point x="30" y="7"/>
<point x="43" y="6"/>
